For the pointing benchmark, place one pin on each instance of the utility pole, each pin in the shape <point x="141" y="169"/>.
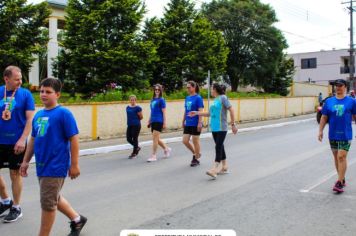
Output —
<point x="352" y="49"/>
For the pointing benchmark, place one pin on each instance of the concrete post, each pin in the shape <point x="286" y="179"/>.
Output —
<point x="52" y="45"/>
<point x="34" y="74"/>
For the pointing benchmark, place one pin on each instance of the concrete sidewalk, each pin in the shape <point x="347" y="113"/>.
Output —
<point x="170" y="134"/>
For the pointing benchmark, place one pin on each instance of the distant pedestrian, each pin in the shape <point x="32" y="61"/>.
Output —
<point x="157" y="122"/>
<point x="219" y="127"/>
<point x="320" y="99"/>
<point x="352" y="93"/>
<point x="339" y="111"/>
<point x="193" y="125"/>
<point x="55" y="143"/>
<point x="134" y="117"/>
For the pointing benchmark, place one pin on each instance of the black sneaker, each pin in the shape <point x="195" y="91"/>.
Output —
<point x="137" y="150"/>
<point x="4" y="208"/>
<point x="133" y="155"/>
<point x="75" y="228"/>
<point x="194" y="162"/>
<point x="13" y="215"/>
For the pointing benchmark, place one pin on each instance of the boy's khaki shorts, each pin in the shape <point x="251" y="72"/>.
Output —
<point x="50" y="188"/>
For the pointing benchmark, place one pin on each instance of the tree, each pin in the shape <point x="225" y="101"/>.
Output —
<point x="187" y="46"/>
<point x="101" y="45"/>
<point x="256" y="46"/>
<point x="21" y="35"/>
<point x="283" y="79"/>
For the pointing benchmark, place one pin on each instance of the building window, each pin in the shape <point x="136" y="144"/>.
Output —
<point x="308" y="63"/>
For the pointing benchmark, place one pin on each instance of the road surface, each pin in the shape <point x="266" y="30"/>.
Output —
<point x="280" y="184"/>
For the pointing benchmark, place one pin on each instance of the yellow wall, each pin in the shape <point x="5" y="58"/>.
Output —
<point x="109" y="120"/>
<point x="306" y="89"/>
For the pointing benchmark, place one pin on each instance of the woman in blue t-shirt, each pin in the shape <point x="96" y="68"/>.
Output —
<point x="134" y="117"/>
<point x="219" y="126"/>
<point x="157" y="122"/>
<point x="193" y="125"/>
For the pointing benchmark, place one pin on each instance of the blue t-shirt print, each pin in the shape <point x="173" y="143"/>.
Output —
<point x="42" y="126"/>
<point x="339" y="112"/>
<point x="11" y="130"/>
<point x="52" y="130"/>
<point x="157" y="104"/>
<point x="192" y="103"/>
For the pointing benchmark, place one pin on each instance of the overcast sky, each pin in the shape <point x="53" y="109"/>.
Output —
<point x="308" y="25"/>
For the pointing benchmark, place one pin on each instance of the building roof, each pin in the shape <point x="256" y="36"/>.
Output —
<point x="58" y="3"/>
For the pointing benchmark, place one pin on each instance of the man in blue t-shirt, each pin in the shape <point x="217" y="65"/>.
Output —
<point x="339" y="111"/>
<point x="55" y="143"/>
<point x="17" y="108"/>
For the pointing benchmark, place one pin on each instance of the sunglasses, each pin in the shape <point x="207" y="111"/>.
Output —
<point x="157" y="90"/>
<point x="189" y="87"/>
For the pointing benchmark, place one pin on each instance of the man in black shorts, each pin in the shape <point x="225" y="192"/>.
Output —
<point x="17" y="109"/>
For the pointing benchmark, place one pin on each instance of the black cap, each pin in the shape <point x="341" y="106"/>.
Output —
<point x="340" y="81"/>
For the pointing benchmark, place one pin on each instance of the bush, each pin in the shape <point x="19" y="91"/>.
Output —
<point x="119" y="95"/>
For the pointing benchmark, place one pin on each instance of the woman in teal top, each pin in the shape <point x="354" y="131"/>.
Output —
<point x="219" y="126"/>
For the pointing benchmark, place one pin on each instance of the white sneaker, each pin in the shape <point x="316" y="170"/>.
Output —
<point x="167" y="152"/>
<point x="152" y="158"/>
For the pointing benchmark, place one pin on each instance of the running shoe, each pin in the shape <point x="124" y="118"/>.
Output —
<point x="133" y="155"/>
<point x="4" y="208"/>
<point x="75" y="228"/>
<point x="137" y="150"/>
<point x="152" y="158"/>
<point x="13" y="215"/>
<point x="194" y="162"/>
<point x="344" y="183"/>
<point x="223" y="171"/>
<point x="167" y="152"/>
<point x="212" y="174"/>
<point x="338" y="187"/>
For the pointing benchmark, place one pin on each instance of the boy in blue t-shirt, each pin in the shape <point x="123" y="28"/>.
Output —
<point x="55" y="143"/>
<point x="339" y="111"/>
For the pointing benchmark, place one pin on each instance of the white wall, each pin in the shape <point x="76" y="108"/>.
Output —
<point x="328" y="66"/>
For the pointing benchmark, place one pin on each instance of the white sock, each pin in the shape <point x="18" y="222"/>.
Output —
<point x="16" y="206"/>
<point x="76" y="219"/>
<point x="6" y="201"/>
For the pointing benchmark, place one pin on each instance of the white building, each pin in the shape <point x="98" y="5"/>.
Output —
<point x="321" y="67"/>
<point x="55" y="22"/>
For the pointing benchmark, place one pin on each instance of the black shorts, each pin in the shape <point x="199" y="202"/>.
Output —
<point x="191" y="130"/>
<point x="158" y="126"/>
<point x="8" y="158"/>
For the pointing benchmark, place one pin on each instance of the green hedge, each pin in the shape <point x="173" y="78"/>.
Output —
<point x="113" y="96"/>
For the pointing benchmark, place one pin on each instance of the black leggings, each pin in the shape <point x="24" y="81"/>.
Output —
<point x="132" y="134"/>
<point x="219" y="138"/>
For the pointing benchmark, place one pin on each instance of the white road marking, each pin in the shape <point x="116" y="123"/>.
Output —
<point x="323" y="179"/>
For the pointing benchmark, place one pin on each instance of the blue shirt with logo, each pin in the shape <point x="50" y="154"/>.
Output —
<point x="157" y="104"/>
<point x="52" y="130"/>
<point x="132" y="115"/>
<point x="11" y="130"/>
<point x="192" y="103"/>
<point x="339" y="112"/>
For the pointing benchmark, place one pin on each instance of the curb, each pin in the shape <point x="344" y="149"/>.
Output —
<point x="122" y="147"/>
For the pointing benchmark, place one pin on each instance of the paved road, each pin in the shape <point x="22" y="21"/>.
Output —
<point x="280" y="184"/>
